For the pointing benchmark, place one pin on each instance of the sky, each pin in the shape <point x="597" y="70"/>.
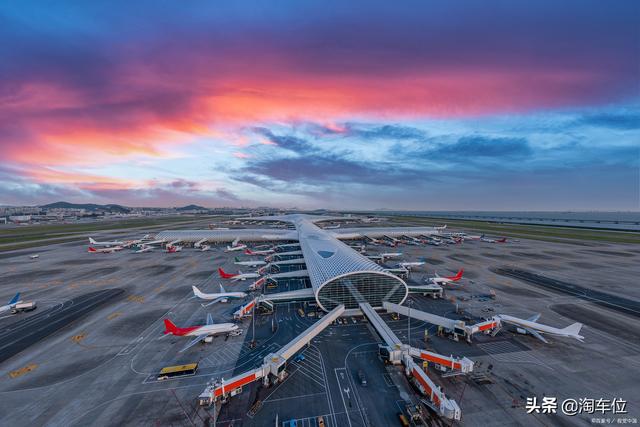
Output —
<point x="416" y="105"/>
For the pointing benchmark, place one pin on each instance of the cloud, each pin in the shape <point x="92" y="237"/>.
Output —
<point x="393" y="132"/>
<point x="291" y="143"/>
<point x="614" y="120"/>
<point x="474" y="147"/>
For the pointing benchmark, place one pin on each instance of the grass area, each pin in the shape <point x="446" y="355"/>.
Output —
<point x="46" y="229"/>
<point x="40" y="235"/>
<point x="533" y="232"/>
<point x="26" y="245"/>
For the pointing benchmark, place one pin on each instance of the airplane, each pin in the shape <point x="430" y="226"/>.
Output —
<point x="104" y="250"/>
<point x="205" y="248"/>
<point x="199" y="243"/>
<point x="12" y="303"/>
<point x="115" y="243"/>
<point x="443" y="227"/>
<point x="410" y="265"/>
<point x="143" y="249"/>
<point x="236" y="246"/>
<point x="173" y="249"/>
<point x="222" y="296"/>
<point x="375" y="242"/>
<point x="200" y="333"/>
<point x="391" y="255"/>
<point x="264" y="252"/>
<point x="488" y="240"/>
<point x="254" y="263"/>
<point x="239" y="276"/>
<point x="446" y="280"/>
<point x="34" y="256"/>
<point x="531" y="327"/>
<point x="471" y="237"/>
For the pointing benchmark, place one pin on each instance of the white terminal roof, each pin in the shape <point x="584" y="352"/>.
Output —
<point x="327" y="257"/>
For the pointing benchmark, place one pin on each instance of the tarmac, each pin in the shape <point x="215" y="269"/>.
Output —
<point x="100" y="367"/>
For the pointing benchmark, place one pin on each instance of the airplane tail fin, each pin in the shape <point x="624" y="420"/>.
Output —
<point x="248" y="252"/>
<point x="237" y="259"/>
<point x="222" y="288"/>
<point x="573" y="329"/>
<point x="223" y="274"/>
<point x="15" y="299"/>
<point x="458" y="276"/>
<point x="196" y="291"/>
<point x="91" y="249"/>
<point x="93" y="242"/>
<point x="169" y="327"/>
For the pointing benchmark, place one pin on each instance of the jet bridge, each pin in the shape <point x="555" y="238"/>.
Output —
<point x="403" y="353"/>
<point x="289" y="275"/>
<point x="279" y="263"/>
<point x="289" y="296"/>
<point x="273" y="364"/>
<point x="457" y="327"/>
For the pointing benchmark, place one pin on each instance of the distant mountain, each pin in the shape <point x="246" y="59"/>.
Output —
<point x="192" y="208"/>
<point x="87" y="206"/>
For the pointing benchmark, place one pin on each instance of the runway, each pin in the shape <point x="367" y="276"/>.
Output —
<point x="21" y="334"/>
<point x="614" y="302"/>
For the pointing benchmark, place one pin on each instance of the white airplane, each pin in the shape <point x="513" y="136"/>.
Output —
<point x="199" y="243"/>
<point x="530" y="326"/>
<point x="199" y="332"/>
<point x="471" y="237"/>
<point x="93" y="250"/>
<point x="12" y="303"/>
<point x="254" y="263"/>
<point x="34" y="256"/>
<point x="391" y="255"/>
<point x="236" y="246"/>
<point x="154" y="242"/>
<point x="94" y="243"/>
<point x="222" y="296"/>
<point x="239" y="276"/>
<point x="376" y="242"/>
<point x="443" y="227"/>
<point x="205" y="248"/>
<point x="410" y="265"/>
<point x="263" y="252"/>
<point x="143" y="249"/>
<point x="437" y="280"/>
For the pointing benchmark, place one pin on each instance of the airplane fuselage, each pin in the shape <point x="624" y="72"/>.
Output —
<point x="209" y="330"/>
<point x="236" y="248"/>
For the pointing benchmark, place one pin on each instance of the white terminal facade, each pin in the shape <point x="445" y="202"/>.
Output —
<point x="338" y="274"/>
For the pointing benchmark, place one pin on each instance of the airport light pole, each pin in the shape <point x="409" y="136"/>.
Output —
<point x="253" y="323"/>
<point x="409" y="304"/>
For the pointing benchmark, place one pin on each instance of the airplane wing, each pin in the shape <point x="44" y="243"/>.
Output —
<point x="536" y="334"/>
<point x="212" y="302"/>
<point x="534" y="318"/>
<point x="193" y="342"/>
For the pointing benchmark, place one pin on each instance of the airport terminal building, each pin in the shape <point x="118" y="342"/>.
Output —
<point x="338" y="274"/>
